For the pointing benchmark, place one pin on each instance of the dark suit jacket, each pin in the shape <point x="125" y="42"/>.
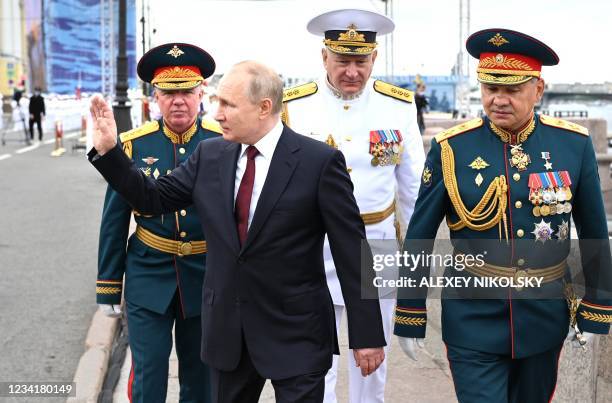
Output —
<point x="273" y="289"/>
<point x="37" y="105"/>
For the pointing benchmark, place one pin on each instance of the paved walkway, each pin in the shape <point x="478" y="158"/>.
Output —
<point x="424" y="381"/>
<point x="428" y="380"/>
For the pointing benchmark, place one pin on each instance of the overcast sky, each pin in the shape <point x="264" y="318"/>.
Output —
<point x="426" y="37"/>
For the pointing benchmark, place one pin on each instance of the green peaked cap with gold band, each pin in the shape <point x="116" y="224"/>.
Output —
<point x="175" y="66"/>
<point x="507" y="57"/>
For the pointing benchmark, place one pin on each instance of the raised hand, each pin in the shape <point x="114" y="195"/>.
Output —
<point x="105" y="128"/>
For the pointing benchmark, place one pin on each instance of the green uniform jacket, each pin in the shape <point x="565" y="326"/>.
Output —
<point x="511" y="323"/>
<point x="152" y="277"/>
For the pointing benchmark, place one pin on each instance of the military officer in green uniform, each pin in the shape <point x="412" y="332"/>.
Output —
<point x="160" y="268"/>
<point x="510" y="184"/>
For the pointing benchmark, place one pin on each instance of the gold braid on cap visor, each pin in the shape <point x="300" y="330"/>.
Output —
<point x="177" y="78"/>
<point x="185" y="85"/>
<point x="341" y="47"/>
<point x="504" y="70"/>
<point x="503" y="79"/>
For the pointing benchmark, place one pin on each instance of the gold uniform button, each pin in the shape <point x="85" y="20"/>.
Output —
<point x="521" y="262"/>
<point x="520" y="233"/>
<point x="516" y="177"/>
<point x="182" y="150"/>
<point x="183" y="213"/>
<point x="349" y="169"/>
<point x="518" y="204"/>
<point x="183" y="234"/>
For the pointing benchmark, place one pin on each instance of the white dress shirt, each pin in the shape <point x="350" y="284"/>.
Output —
<point x="266" y="146"/>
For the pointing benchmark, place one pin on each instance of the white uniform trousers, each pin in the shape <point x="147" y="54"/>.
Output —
<point x="370" y="389"/>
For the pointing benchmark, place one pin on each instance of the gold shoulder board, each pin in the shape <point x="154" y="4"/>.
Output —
<point x="564" y="124"/>
<point x="143" y="130"/>
<point x="300" y="91"/>
<point x="394" y="91"/>
<point x="213" y="126"/>
<point x="461" y="128"/>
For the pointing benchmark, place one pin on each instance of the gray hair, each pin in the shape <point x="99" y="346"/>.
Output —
<point x="264" y="83"/>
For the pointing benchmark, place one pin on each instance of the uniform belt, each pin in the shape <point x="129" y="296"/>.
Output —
<point x="179" y="248"/>
<point x="378" y="216"/>
<point x="547" y="274"/>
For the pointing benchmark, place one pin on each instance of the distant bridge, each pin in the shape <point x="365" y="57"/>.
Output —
<point x="586" y="92"/>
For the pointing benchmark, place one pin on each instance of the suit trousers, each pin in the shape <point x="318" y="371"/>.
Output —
<point x="481" y="377"/>
<point x="150" y="339"/>
<point x="38" y="121"/>
<point x="244" y="384"/>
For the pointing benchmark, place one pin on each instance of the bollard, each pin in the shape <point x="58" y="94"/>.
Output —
<point x="59" y="134"/>
<point x="146" y="110"/>
<point x="83" y="126"/>
<point x="83" y="139"/>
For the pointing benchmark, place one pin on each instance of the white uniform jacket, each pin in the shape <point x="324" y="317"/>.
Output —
<point x="347" y="125"/>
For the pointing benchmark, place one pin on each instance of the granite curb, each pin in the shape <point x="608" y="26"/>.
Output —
<point x="93" y="364"/>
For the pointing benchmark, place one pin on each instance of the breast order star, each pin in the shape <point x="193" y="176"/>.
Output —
<point x="542" y="232"/>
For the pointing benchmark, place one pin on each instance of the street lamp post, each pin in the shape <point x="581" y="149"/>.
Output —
<point x="121" y="106"/>
<point x="144" y="48"/>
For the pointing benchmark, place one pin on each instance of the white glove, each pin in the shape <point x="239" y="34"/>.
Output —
<point x="112" y="311"/>
<point x="587" y="338"/>
<point x="409" y="345"/>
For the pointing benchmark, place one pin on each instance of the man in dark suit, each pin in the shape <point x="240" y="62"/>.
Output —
<point x="37" y="112"/>
<point x="266" y="197"/>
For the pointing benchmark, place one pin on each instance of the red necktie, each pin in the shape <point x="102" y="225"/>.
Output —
<point x="243" y="198"/>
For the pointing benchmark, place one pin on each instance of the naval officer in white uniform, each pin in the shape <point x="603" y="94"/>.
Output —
<point x="374" y="124"/>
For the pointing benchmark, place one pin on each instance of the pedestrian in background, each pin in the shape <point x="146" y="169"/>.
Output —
<point x="421" y="105"/>
<point x="37" y="112"/>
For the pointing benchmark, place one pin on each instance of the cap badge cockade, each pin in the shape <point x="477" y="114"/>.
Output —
<point x="351" y="35"/>
<point x="498" y="40"/>
<point x="175" y="52"/>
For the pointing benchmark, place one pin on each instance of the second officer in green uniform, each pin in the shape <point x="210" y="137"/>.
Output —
<point x="161" y="270"/>
<point x="510" y="184"/>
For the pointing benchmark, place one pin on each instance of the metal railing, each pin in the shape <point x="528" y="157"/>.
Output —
<point x="571" y="114"/>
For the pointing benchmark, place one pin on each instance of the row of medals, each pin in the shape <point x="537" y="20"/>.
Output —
<point x="555" y="200"/>
<point x="386" y="154"/>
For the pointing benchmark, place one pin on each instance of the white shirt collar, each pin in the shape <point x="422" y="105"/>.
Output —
<point x="267" y="144"/>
